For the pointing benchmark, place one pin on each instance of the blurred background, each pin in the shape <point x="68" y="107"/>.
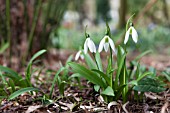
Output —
<point x="27" y="26"/>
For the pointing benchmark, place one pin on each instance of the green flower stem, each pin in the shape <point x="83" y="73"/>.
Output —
<point x="124" y="82"/>
<point x="95" y="61"/>
<point x="125" y="78"/>
<point x="111" y="76"/>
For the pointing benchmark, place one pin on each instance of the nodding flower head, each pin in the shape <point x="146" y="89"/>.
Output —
<point x="105" y="43"/>
<point x="89" y="44"/>
<point x="79" y="54"/>
<point x="131" y="31"/>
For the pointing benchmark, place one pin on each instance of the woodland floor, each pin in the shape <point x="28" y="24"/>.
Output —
<point x="84" y="100"/>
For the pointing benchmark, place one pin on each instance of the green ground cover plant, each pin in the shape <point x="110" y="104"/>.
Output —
<point x="13" y="84"/>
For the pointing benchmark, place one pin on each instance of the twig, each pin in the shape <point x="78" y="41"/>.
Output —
<point x="164" y="107"/>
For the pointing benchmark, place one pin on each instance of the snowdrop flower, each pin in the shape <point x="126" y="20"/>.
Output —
<point x="89" y="44"/>
<point x="133" y="32"/>
<point x="106" y="42"/>
<point x="79" y="54"/>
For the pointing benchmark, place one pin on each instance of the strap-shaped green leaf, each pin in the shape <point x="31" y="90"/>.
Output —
<point x="120" y="65"/>
<point x="28" y="71"/>
<point x="167" y="75"/>
<point x="36" y="55"/>
<point x="106" y="78"/>
<point x="142" y="54"/>
<point x="90" y="62"/>
<point x="99" y="62"/>
<point x="55" y="79"/>
<point x="21" y="91"/>
<point x="88" y="74"/>
<point x="11" y="74"/>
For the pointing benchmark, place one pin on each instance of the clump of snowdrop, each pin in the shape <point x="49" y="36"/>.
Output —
<point x="131" y="31"/>
<point x="116" y="80"/>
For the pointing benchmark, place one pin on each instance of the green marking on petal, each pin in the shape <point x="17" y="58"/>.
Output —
<point x="130" y="30"/>
<point x="106" y="40"/>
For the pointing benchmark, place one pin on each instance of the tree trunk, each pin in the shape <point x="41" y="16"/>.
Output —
<point x="122" y="14"/>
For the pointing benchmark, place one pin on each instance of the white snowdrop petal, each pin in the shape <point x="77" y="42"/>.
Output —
<point x="85" y="47"/>
<point x="127" y="36"/>
<point x="106" y="46"/>
<point x="91" y="46"/>
<point x="77" y="55"/>
<point x="134" y="35"/>
<point x="101" y="45"/>
<point x="112" y="45"/>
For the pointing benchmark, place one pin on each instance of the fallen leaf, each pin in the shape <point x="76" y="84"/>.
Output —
<point x="33" y="108"/>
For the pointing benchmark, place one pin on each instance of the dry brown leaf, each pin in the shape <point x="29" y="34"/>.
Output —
<point x="33" y="108"/>
<point x="124" y="107"/>
<point x="114" y="103"/>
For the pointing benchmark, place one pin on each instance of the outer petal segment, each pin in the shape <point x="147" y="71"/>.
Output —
<point x="127" y="36"/>
<point x="91" y="46"/>
<point x="112" y="45"/>
<point x="85" y="46"/>
<point x="101" y="45"/>
<point x="134" y="35"/>
<point x="77" y="55"/>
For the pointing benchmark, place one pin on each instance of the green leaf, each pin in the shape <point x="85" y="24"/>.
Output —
<point x="108" y="91"/>
<point x="11" y="74"/>
<point x="4" y="47"/>
<point x="74" y="76"/>
<point x="12" y="85"/>
<point x="119" y="91"/>
<point x="96" y="88"/>
<point x="133" y="82"/>
<point x="28" y="71"/>
<point x="99" y="62"/>
<point x="149" y="85"/>
<point x="167" y="75"/>
<point x="120" y="53"/>
<point x="36" y="55"/>
<point x="143" y="75"/>
<point x="106" y="78"/>
<point x="21" y="91"/>
<point x="90" y="63"/>
<point x="120" y="66"/>
<point x="88" y="74"/>
<point x="142" y="54"/>
<point x="61" y="87"/>
<point x="2" y="97"/>
<point x="56" y="78"/>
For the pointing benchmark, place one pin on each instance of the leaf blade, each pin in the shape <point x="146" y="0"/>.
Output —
<point x="21" y="91"/>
